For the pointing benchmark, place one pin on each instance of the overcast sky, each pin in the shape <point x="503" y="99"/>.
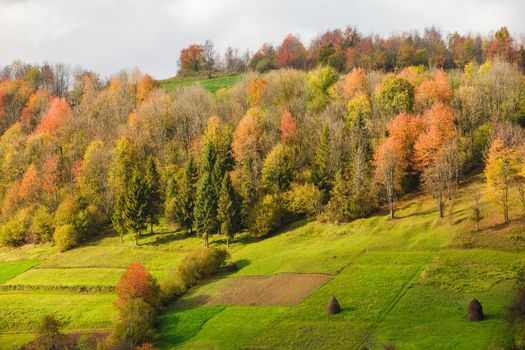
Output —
<point x="109" y="35"/>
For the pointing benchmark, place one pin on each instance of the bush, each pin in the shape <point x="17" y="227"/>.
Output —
<point x="170" y="288"/>
<point x="266" y="216"/>
<point x="42" y="225"/>
<point x="304" y="199"/>
<point x="200" y="264"/>
<point x="66" y="237"/>
<point x="86" y="218"/>
<point x="49" y="335"/>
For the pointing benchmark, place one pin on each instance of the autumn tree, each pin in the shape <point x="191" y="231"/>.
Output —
<point x="192" y="59"/>
<point x="390" y="167"/>
<point x="396" y="95"/>
<point x="501" y="172"/>
<point x="277" y="171"/>
<point x="255" y="91"/>
<point x="291" y="53"/>
<point x="56" y="118"/>
<point x="439" y="129"/>
<point x="209" y="57"/>
<point x="145" y="86"/>
<point x="318" y="83"/>
<point x="434" y="90"/>
<point x="137" y="298"/>
<point x="288" y="127"/>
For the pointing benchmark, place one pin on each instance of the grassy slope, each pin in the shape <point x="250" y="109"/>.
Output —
<point x="405" y="281"/>
<point x="213" y="84"/>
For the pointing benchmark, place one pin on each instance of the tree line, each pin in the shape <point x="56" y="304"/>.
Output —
<point x="347" y="49"/>
<point x="120" y="155"/>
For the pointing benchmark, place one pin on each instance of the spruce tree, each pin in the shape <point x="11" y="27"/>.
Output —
<point x="227" y="212"/>
<point x="205" y="212"/>
<point x="185" y="196"/>
<point x="247" y="192"/>
<point x="116" y="218"/>
<point x="322" y="175"/>
<point x="135" y="206"/>
<point x="154" y="196"/>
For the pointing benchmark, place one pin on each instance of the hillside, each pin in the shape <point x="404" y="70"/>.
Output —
<point x="405" y="281"/>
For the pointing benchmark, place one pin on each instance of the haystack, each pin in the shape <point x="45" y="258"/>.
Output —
<point x="475" y="311"/>
<point x="333" y="307"/>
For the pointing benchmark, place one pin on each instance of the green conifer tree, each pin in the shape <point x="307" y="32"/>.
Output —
<point x="154" y="196"/>
<point x="135" y="208"/>
<point x="227" y="212"/>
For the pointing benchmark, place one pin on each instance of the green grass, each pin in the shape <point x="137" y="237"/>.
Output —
<point x="12" y="269"/>
<point x="406" y="281"/>
<point x="213" y="84"/>
<point x="22" y="311"/>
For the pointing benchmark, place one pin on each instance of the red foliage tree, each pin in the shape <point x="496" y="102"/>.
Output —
<point x="137" y="283"/>
<point x="192" y="58"/>
<point x="291" y="53"/>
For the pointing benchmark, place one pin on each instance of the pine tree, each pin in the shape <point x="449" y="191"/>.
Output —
<point x="205" y="212"/>
<point x="135" y="209"/>
<point x="247" y="192"/>
<point x="226" y="209"/>
<point x="322" y="176"/>
<point x="116" y="218"/>
<point x="185" y="197"/>
<point x="154" y="196"/>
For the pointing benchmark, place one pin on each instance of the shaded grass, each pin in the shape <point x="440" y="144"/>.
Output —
<point x="218" y="332"/>
<point x="178" y="325"/>
<point x="12" y="269"/>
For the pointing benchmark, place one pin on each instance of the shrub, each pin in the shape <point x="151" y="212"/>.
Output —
<point x="200" y="264"/>
<point x="304" y="199"/>
<point x="171" y="287"/>
<point x="266" y="216"/>
<point x="42" y="224"/>
<point x="66" y="237"/>
<point x="333" y="306"/>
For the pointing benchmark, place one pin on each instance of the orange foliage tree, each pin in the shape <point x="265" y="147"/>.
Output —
<point x="439" y="128"/>
<point x="30" y="184"/>
<point x="288" y="126"/>
<point x="255" y="91"/>
<point x="434" y="90"/>
<point x="354" y="82"/>
<point x="145" y="86"/>
<point x="57" y="116"/>
<point x="36" y="105"/>
<point x="192" y="58"/>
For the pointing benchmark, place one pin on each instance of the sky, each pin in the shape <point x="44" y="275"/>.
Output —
<point x="109" y="35"/>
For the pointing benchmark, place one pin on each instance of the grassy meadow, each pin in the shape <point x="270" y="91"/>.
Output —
<point x="405" y="282"/>
<point x="213" y="84"/>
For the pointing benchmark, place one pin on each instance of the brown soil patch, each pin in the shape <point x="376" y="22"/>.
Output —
<point x="277" y="290"/>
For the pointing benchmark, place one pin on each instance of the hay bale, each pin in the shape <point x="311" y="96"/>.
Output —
<point x="232" y="267"/>
<point x="475" y="311"/>
<point x="333" y="307"/>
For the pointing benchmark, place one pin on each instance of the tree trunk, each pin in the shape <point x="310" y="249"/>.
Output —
<point x="206" y="243"/>
<point x="227" y="242"/>
<point x="151" y="227"/>
<point x="477" y="225"/>
<point x="441" y="209"/>
<point x="506" y="204"/>
<point x="121" y="239"/>
<point x="391" y="208"/>
<point x="137" y="239"/>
